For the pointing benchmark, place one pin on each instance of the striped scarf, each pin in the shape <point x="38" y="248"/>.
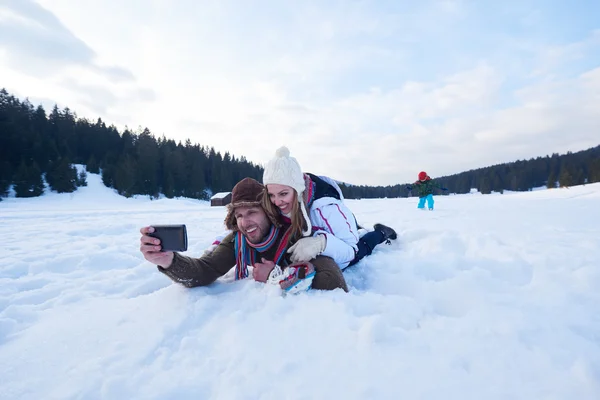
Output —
<point x="248" y="253"/>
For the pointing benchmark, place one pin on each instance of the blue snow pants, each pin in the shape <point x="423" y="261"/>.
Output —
<point x="429" y="199"/>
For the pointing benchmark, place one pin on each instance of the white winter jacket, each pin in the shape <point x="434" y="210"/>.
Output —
<point x="331" y="217"/>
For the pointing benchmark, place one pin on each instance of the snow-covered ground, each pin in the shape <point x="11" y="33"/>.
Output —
<point x="487" y="297"/>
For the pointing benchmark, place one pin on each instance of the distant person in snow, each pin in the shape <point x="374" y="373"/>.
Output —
<point x="257" y="240"/>
<point x="321" y="223"/>
<point x="425" y="187"/>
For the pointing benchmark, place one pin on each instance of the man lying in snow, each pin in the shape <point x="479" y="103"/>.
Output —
<point x="258" y="240"/>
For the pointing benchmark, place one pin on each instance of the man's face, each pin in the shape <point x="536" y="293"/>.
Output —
<point x="252" y="222"/>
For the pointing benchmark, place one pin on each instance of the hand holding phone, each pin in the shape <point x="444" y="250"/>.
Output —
<point x="172" y="237"/>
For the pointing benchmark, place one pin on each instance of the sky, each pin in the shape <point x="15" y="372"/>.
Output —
<point x="366" y="92"/>
<point x="484" y="298"/>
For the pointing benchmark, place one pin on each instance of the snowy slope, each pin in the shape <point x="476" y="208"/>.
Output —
<point x="487" y="297"/>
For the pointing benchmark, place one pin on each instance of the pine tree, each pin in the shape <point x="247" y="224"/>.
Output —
<point x="485" y="187"/>
<point x="62" y="177"/>
<point x="108" y="176"/>
<point x="82" y="178"/>
<point x="578" y="177"/>
<point x="497" y="185"/>
<point x="551" y="184"/>
<point x="6" y="177"/>
<point x="565" y="179"/>
<point x="168" y="186"/>
<point x="172" y="171"/>
<point x="594" y="170"/>
<point x="92" y="165"/>
<point x="28" y="181"/>
<point x="124" y="178"/>
<point x="147" y="165"/>
<point x="195" y="184"/>
<point x="513" y="183"/>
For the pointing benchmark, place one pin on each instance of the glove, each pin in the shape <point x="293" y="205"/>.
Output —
<point x="294" y="279"/>
<point x="409" y="187"/>
<point x="444" y="189"/>
<point x="307" y="248"/>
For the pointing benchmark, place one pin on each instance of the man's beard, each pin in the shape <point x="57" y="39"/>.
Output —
<point x="257" y="235"/>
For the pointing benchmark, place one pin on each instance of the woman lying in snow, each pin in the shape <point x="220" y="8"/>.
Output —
<point x="321" y="221"/>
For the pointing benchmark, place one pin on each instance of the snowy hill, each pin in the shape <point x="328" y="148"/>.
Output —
<point x="487" y="297"/>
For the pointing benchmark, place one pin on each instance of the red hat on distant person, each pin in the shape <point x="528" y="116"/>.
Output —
<point x="422" y="175"/>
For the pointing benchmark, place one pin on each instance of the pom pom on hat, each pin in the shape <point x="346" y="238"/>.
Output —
<point x="282" y="152"/>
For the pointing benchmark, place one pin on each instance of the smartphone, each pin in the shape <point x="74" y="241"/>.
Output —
<point x="172" y="237"/>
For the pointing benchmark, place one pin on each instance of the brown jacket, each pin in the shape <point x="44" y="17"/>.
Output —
<point x="192" y="272"/>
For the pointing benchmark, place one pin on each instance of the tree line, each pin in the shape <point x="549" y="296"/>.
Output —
<point x="36" y="147"/>
<point x="553" y="171"/>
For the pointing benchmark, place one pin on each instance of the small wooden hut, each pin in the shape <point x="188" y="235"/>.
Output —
<point x="220" y="199"/>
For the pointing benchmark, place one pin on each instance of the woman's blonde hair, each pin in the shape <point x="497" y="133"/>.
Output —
<point x="298" y="221"/>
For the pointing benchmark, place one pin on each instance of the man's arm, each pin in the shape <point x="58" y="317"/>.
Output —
<point x="192" y="272"/>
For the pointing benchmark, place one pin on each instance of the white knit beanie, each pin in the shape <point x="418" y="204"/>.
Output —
<point x="285" y="170"/>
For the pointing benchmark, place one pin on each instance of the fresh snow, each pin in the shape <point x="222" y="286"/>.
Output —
<point x="487" y="297"/>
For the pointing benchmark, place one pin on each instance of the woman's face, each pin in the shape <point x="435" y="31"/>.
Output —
<point x="282" y="196"/>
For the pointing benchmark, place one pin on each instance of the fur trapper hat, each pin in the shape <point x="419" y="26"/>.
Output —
<point x="246" y="193"/>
